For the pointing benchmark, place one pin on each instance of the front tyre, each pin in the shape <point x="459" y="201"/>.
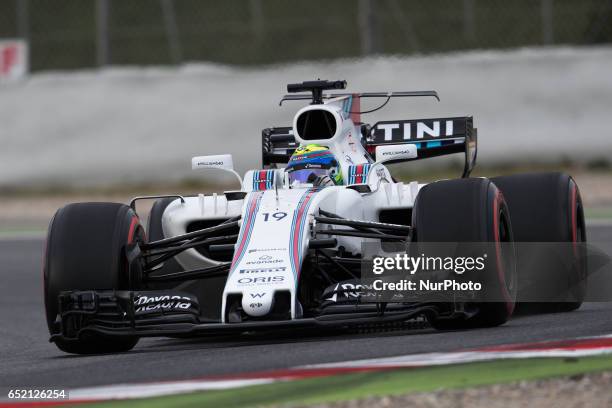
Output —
<point x="471" y="210"/>
<point x="85" y="250"/>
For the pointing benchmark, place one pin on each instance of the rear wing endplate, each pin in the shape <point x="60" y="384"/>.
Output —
<point x="432" y="137"/>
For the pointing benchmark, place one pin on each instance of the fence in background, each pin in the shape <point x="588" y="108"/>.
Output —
<point x="69" y="34"/>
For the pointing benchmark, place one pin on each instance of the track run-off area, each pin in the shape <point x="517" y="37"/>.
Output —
<point x="28" y="360"/>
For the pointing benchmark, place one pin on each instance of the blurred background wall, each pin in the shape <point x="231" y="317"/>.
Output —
<point x="73" y="34"/>
<point x="126" y="92"/>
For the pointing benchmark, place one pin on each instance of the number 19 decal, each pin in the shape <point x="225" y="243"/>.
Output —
<point x="277" y="216"/>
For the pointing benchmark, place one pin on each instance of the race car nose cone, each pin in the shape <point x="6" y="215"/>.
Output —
<point x="257" y="303"/>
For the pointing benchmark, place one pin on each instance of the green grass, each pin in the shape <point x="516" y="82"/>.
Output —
<point x="355" y="386"/>
<point x="598" y="213"/>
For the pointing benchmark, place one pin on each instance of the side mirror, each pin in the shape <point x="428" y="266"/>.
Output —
<point x="393" y="153"/>
<point x="219" y="161"/>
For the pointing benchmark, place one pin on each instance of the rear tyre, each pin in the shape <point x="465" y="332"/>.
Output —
<point x="547" y="207"/>
<point x="471" y="210"/>
<point x="85" y="250"/>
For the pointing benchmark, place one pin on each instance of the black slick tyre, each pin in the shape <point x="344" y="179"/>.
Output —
<point x="471" y="210"/>
<point x="547" y="208"/>
<point x="85" y="250"/>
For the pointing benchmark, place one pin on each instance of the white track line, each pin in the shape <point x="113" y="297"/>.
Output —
<point x="435" y="359"/>
<point x="579" y="348"/>
<point x="493" y="353"/>
<point x="131" y="391"/>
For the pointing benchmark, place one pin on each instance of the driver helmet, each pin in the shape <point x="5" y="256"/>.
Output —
<point x="312" y="163"/>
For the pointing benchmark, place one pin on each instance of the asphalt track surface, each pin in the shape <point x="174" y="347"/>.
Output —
<point x="27" y="359"/>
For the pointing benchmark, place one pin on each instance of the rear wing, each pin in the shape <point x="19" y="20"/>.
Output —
<point x="277" y="145"/>
<point x="432" y="137"/>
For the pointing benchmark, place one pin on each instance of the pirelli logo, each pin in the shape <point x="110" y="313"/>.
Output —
<point x="419" y="130"/>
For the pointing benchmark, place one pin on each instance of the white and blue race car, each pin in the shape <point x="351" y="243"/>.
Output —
<point x="287" y="249"/>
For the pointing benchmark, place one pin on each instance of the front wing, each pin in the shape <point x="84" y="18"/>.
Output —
<point x="118" y="313"/>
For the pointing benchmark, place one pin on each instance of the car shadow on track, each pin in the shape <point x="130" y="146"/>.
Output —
<point x="278" y="337"/>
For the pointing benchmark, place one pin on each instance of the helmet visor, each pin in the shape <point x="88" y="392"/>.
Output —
<point x="306" y="175"/>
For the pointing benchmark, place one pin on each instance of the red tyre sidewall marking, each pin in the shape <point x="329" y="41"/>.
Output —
<point x="500" y="267"/>
<point x="574" y="222"/>
<point x="130" y="239"/>
<point x="132" y="230"/>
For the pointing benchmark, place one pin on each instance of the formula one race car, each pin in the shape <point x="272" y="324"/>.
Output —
<point x="285" y="251"/>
